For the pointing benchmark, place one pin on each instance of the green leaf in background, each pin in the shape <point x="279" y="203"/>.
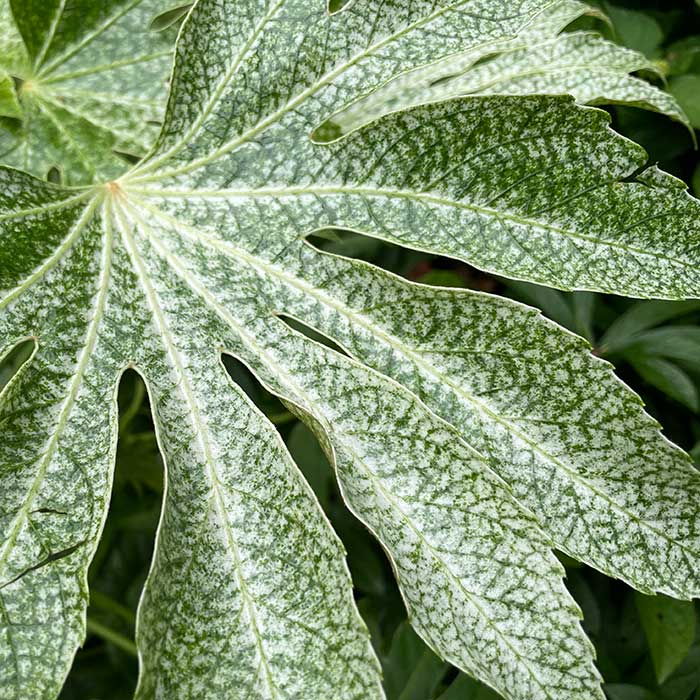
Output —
<point x="684" y="680"/>
<point x="624" y="691"/>
<point x="636" y="29"/>
<point x="465" y="688"/>
<point x="669" y="626"/>
<point x="411" y="670"/>
<point x="641" y="316"/>
<point x="92" y="84"/>
<point x="686" y="90"/>
<point x="668" y="378"/>
<point x="662" y="356"/>
<point x="677" y="342"/>
<point x="683" y="56"/>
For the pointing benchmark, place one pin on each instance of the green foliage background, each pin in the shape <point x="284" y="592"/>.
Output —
<point x="648" y="648"/>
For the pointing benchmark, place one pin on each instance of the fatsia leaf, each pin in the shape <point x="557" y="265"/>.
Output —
<point x="552" y="420"/>
<point x="13" y="56"/>
<point x="93" y="84"/>
<point x="467" y="433"/>
<point x="540" y="60"/>
<point x="248" y="588"/>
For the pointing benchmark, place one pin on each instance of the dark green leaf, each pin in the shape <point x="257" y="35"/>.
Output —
<point x="669" y="626"/>
<point x="669" y="378"/>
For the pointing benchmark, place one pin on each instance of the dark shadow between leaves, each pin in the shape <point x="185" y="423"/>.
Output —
<point x="412" y="265"/>
<point x="107" y="666"/>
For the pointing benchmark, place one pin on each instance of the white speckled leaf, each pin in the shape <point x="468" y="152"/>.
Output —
<point x="93" y="84"/>
<point x="445" y="440"/>
<point x="540" y="60"/>
<point x="475" y="571"/>
<point x="14" y="54"/>
<point x="571" y="440"/>
<point x="249" y="591"/>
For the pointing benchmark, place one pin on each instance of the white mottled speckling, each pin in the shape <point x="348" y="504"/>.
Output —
<point x="541" y="60"/>
<point x="468" y="433"/>
<point x="94" y="84"/>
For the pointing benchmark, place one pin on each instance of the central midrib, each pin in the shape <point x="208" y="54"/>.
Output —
<point x="426" y="197"/>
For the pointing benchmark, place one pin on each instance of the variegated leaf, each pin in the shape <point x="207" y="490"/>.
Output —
<point x="445" y="439"/>
<point x="540" y="60"/>
<point x="92" y="84"/>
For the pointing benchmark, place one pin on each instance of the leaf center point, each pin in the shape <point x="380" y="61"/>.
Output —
<point x="115" y="190"/>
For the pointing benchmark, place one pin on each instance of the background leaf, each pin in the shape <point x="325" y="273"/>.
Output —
<point x="92" y="84"/>
<point x="669" y="626"/>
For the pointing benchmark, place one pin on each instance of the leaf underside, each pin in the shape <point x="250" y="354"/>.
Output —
<point x="469" y="434"/>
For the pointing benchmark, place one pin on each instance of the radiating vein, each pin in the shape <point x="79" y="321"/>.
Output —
<point x="72" y="391"/>
<point x="60" y="251"/>
<point x="392" y="341"/>
<point x="202" y="438"/>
